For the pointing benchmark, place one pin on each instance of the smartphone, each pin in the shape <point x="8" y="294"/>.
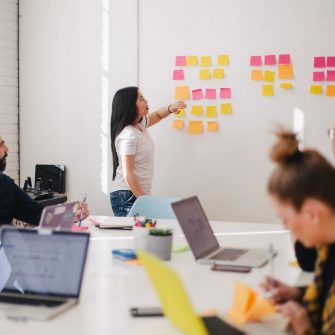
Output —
<point x="146" y="311"/>
<point x="231" y="268"/>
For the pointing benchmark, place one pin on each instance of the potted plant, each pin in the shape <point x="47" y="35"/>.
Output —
<point x="159" y="242"/>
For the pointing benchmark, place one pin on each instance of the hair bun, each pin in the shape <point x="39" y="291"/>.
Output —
<point x="286" y="148"/>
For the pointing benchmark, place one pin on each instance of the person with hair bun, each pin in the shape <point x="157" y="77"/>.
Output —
<point x="302" y="192"/>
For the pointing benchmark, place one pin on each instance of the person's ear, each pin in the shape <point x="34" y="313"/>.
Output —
<point x="313" y="211"/>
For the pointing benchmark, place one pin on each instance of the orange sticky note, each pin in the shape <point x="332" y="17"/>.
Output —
<point x="191" y="60"/>
<point x="223" y="60"/>
<point x="247" y="306"/>
<point x="218" y="73"/>
<point x="330" y="91"/>
<point x="195" y="127"/>
<point x="315" y="89"/>
<point x="212" y="126"/>
<point x="257" y="75"/>
<point x="182" y="93"/>
<point x="204" y="74"/>
<point x="267" y="90"/>
<point x="205" y="61"/>
<point x="178" y="124"/>
<point x="226" y="109"/>
<point x="285" y="71"/>
<point x="196" y="110"/>
<point x="211" y="111"/>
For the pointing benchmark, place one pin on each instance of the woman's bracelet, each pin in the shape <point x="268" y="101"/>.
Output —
<point x="169" y="109"/>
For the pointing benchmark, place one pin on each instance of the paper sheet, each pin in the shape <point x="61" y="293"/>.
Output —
<point x="204" y="74"/>
<point x="286" y="86"/>
<point x="284" y="59"/>
<point x="315" y="89"/>
<point x="267" y="90"/>
<point x="256" y="61"/>
<point x="197" y="94"/>
<point x="331" y="61"/>
<point x="285" y="71"/>
<point x="225" y="93"/>
<point x="226" y="109"/>
<point x="191" y="60"/>
<point x="212" y="126"/>
<point x="318" y="76"/>
<point x="178" y="75"/>
<point x="178" y="124"/>
<point x="205" y="61"/>
<point x="180" y="61"/>
<point x="319" y="61"/>
<point x="330" y="91"/>
<point x="218" y="73"/>
<point x="195" y="127"/>
<point x="181" y="113"/>
<point x="270" y="60"/>
<point x="211" y="111"/>
<point x="210" y="93"/>
<point x="269" y="76"/>
<point x="196" y="110"/>
<point x="223" y="60"/>
<point x="257" y="75"/>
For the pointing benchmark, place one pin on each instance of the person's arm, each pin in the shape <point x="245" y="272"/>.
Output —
<point x="164" y="112"/>
<point x="25" y="208"/>
<point x="128" y="166"/>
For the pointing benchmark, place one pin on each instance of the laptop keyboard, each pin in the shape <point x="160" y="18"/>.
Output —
<point x="229" y="254"/>
<point x="30" y="301"/>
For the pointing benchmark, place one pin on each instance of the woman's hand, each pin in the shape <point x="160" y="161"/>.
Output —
<point x="279" y="291"/>
<point x="297" y="315"/>
<point x="174" y="108"/>
<point x="82" y="212"/>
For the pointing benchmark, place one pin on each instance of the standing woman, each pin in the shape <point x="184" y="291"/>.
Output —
<point x="132" y="146"/>
<point x="302" y="192"/>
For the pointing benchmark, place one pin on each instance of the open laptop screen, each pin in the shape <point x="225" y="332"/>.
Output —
<point x="42" y="262"/>
<point x="195" y="226"/>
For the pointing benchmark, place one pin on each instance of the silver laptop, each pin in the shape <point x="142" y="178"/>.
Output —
<point x="203" y="242"/>
<point x="59" y="217"/>
<point x="41" y="272"/>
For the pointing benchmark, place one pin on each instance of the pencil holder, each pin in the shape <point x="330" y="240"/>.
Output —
<point x="159" y="242"/>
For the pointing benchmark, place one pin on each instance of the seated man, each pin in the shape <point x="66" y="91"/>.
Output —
<point x="15" y="203"/>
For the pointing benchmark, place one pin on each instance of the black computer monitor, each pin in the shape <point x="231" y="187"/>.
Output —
<point x="55" y="173"/>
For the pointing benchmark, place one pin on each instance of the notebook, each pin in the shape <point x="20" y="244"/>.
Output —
<point x="203" y="242"/>
<point x="41" y="272"/>
<point x="175" y="303"/>
<point x="59" y="217"/>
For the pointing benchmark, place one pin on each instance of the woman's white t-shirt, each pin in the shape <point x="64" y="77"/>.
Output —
<point x="132" y="141"/>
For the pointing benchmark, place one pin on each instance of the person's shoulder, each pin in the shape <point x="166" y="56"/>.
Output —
<point x="5" y="179"/>
<point x="127" y="132"/>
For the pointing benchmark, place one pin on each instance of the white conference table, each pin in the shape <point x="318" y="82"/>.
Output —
<point x="110" y="286"/>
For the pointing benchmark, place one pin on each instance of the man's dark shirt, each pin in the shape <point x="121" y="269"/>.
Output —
<point x="306" y="257"/>
<point x="15" y="203"/>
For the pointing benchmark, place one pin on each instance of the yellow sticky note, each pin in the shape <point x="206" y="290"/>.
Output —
<point x="247" y="306"/>
<point x="315" y="89"/>
<point x="269" y="76"/>
<point x="204" y="74"/>
<point x="285" y="71"/>
<point x="267" y="90"/>
<point x="196" y="110"/>
<point x="191" y="60"/>
<point x="178" y="124"/>
<point x="330" y="91"/>
<point x="195" y="127"/>
<point x="180" y="113"/>
<point x="223" y="60"/>
<point x="174" y="299"/>
<point x="211" y="111"/>
<point x="257" y="75"/>
<point x="205" y="61"/>
<point x="226" y="109"/>
<point x="218" y="73"/>
<point x="182" y="92"/>
<point x="286" y="86"/>
<point x="212" y="126"/>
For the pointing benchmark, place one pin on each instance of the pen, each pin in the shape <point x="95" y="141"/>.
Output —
<point x="81" y="211"/>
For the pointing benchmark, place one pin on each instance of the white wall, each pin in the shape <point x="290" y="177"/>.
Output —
<point x="9" y="100"/>
<point x="75" y="54"/>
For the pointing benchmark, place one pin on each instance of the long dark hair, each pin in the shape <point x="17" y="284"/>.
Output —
<point x="300" y="174"/>
<point x="124" y="113"/>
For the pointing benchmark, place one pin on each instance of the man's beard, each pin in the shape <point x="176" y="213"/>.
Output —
<point x="3" y="163"/>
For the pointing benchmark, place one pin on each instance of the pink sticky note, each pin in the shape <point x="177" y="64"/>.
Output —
<point x="330" y="75"/>
<point x="318" y="76"/>
<point x="270" y="60"/>
<point x="210" y="93"/>
<point x="256" y="61"/>
<point x="319" y="61"/>
<point x="284" y="59"/>
<point x="225" y="93"/>
<point x="178" y="75"/>
<point x="180" y="60"/>
<point x="197" y="94"/>
<point x="331" y="61"/>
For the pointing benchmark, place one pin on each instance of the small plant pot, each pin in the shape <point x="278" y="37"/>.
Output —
<point x="161" y="246"/>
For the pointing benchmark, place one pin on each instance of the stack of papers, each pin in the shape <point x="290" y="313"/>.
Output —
<point x="113" y="222"/>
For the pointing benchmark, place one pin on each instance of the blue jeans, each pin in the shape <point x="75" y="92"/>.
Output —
<point x="121" y="202"/>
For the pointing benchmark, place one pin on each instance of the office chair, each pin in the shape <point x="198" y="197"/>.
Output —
<point x="153" y="207"/>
